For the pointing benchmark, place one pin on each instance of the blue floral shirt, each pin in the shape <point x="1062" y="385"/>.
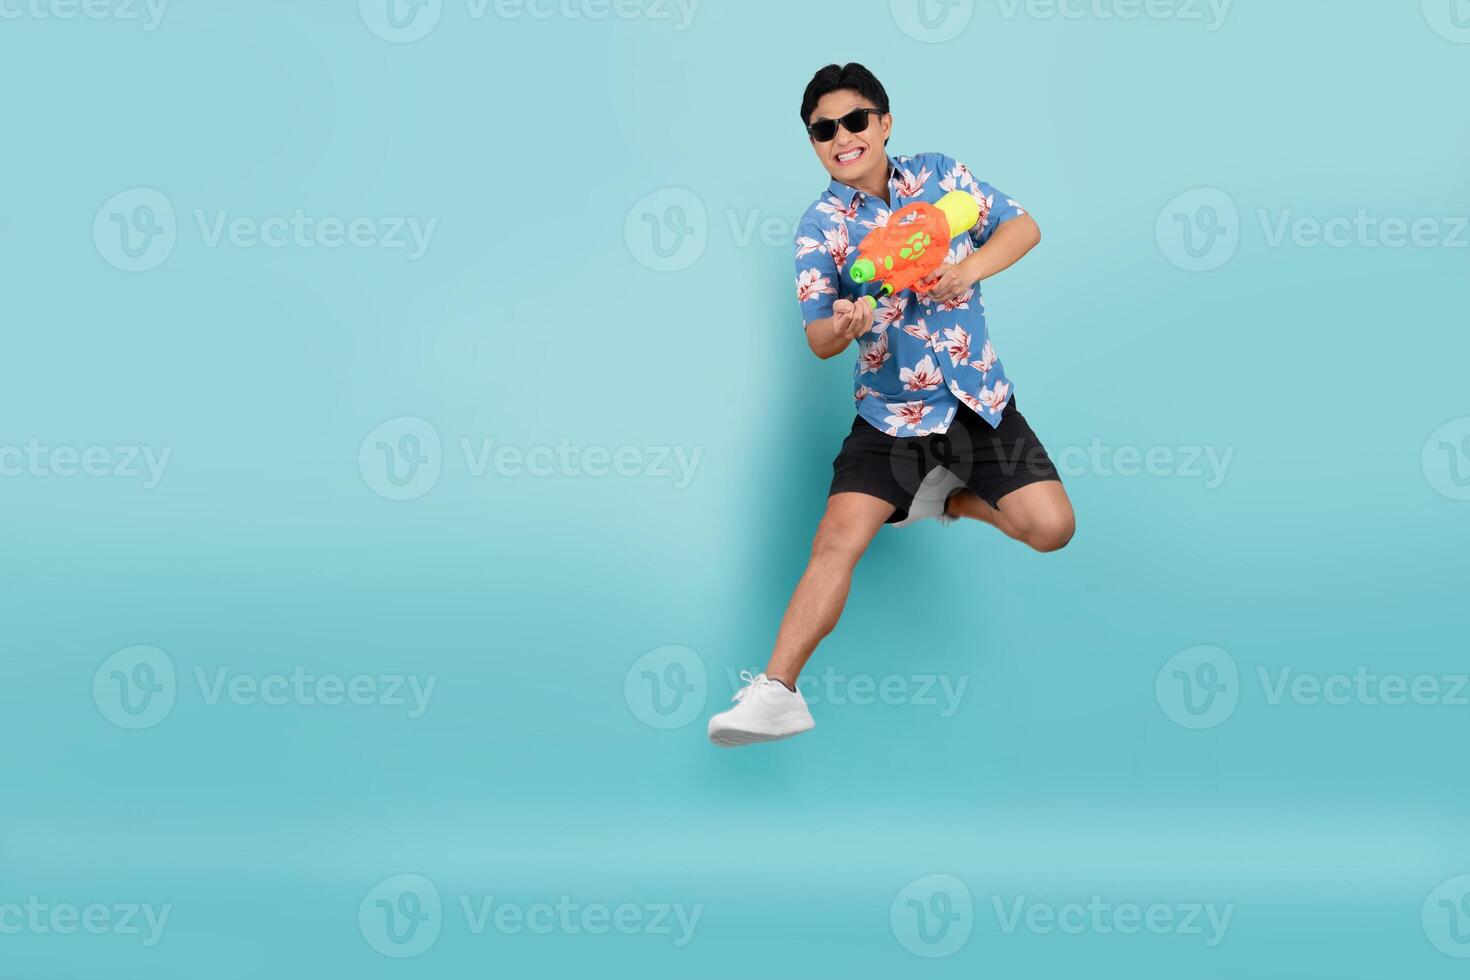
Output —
<point x="921" y="359"/>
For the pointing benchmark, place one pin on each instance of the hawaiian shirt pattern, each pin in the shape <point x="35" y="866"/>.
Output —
<point x="921" y="359"/>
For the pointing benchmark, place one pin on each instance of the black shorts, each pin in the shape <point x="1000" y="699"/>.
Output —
<point x="991" y="461"/>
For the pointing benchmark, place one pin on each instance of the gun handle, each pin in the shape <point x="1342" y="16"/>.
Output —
<point x="887" y="290"/>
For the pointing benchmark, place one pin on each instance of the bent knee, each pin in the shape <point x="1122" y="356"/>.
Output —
<point x="838" y="541"/>
<point x="1051" y="533"/>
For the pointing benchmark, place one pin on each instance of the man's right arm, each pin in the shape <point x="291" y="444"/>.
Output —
<point x="831" y="323"/>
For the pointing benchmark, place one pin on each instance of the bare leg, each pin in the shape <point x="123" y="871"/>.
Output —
<point x="1038" y="514"/>
<point x="844" y="534"/>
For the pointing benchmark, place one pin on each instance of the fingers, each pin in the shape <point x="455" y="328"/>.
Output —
<point x="842" y="322"/>
<point x="946" y="288"/>
<point x="943" y="284"/>
<point x="841" y="310"/>
<point x="851" y="320"/>
<point x="857" y="323"/>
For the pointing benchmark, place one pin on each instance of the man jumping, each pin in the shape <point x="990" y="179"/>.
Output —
<point x="937" y="432"/>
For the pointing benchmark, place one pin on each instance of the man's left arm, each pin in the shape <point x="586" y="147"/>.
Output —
<point x="1007" y="244"/>
<point x="1004" y="234"/>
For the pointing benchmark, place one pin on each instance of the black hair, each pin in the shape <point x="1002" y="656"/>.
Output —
<point x="849" y="76"/>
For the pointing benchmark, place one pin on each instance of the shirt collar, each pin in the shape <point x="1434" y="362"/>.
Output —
<point x="845" y="194"/>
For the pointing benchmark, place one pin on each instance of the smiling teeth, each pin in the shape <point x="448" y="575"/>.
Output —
<point x="850" y="155"/>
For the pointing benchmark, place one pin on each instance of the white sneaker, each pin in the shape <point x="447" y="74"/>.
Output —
<point x="765" y="710"/>
<point x="931" y="497"/>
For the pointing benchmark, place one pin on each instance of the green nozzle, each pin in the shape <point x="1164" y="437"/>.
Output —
<point x="863" y="270"/>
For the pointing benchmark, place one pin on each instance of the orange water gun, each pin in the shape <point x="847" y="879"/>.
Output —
<point x="913" y="244"/>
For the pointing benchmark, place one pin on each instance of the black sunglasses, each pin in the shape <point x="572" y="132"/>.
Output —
<point x="825" y="130"/>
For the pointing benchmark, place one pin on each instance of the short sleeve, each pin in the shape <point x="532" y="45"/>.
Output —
<point x="996" y="208"/>
<point x="816" y="272"/>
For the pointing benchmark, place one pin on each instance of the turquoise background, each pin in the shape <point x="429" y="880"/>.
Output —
<point x="537" y="314"/>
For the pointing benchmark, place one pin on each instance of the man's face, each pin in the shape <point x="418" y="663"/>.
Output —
<point x="852" y="158"/>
